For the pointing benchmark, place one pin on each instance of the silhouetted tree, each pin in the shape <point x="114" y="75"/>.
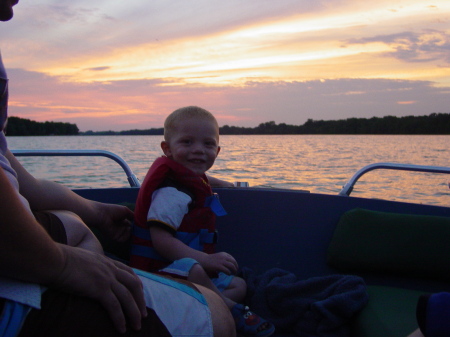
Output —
<point x="24" y="127"/>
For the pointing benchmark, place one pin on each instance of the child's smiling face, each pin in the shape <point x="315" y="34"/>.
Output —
<point x="195" y="144"/>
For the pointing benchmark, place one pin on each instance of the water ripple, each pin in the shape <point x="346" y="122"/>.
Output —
<point x="317" y="163"/>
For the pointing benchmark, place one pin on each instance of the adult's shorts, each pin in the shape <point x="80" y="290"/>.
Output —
<point x="174" y="308"/>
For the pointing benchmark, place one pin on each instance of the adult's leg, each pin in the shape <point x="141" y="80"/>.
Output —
<point x="78" y="234"/>
<point x="223" y="322"/>
<point x="68" y="315"/>
<point x="416" y="333"/>
<point x="243" y="318"/>
<point x="186" y="308"/>
<point x="52" y="225"/>
<point x="221" y="318"/>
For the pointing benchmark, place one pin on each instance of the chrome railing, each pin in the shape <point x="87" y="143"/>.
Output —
<point x="131" y="177"/>
<point x="348" y="187"/>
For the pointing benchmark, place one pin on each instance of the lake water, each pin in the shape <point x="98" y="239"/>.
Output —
<point x="317" y="163"/>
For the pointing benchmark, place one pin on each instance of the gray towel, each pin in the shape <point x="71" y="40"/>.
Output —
<point x="319" y="306"/>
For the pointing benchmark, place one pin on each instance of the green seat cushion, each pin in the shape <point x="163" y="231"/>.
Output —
<point x="398" y="244"/>
<point x="391" y="312"/>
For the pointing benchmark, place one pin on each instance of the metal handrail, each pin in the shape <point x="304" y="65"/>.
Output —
<point x="131" y="177"/>
<point x="348" y="187"/>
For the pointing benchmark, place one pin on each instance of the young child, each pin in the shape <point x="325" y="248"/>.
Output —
<point x="175" y="216"/>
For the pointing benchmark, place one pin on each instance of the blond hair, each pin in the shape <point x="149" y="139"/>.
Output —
<point x="171" y="122"/>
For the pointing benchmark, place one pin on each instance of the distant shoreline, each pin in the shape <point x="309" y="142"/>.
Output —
<point x="433" y="124"/>
<point x="275" y="134"/>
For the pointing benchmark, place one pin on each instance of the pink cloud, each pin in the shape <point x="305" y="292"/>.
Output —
<point x="144" y="104"/>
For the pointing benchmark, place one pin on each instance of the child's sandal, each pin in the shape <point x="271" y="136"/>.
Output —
<point x="250" y="324"/>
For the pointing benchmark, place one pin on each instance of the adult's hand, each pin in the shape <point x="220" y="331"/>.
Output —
<point x="112" y="283"/>
<point x="114" y="221"/>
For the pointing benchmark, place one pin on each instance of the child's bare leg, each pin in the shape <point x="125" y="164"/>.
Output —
<point x="78" y="234"/>
<point x="236" y="290"/>
<point x="198" y="275"/>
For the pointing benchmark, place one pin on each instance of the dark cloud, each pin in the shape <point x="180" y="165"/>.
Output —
<point x="428" y="45"/>
<point x="53" y="15"/>
<point x="294" y="103"/>
<point x="98" y="68"/>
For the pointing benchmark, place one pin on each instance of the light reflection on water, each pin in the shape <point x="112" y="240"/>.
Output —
<point x="317" y="163"/>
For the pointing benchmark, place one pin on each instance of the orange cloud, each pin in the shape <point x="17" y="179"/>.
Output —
<point x="406" y="102"/>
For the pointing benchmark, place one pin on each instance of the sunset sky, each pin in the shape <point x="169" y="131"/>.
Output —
<point x="120" y="65"/>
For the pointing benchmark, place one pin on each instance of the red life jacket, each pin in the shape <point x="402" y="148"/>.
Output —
<point x="197" y="228"/>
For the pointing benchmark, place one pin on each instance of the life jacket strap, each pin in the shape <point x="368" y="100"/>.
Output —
<point x="193" y="240"/>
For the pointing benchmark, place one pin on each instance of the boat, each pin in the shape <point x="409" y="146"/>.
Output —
<point x="400" y="250"/>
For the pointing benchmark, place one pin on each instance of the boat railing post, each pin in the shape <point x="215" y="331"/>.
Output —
<point x="348" y="187"/>
<point x="131" y="177"/>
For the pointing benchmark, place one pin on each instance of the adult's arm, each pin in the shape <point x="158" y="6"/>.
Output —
<point x="216" y="182"/>
<point x="27" y="253"/>
<point x="42" y="194"/>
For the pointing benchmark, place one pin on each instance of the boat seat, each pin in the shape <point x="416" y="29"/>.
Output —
<point x="391" y="245"/>
<point x="390" y="312"/>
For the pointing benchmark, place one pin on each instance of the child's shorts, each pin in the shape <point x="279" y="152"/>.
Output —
<point x="181" y="268"/>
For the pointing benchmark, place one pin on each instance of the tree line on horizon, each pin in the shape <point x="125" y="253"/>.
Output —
<point x="433" y="124"/>
<point x="17" y="126"/>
